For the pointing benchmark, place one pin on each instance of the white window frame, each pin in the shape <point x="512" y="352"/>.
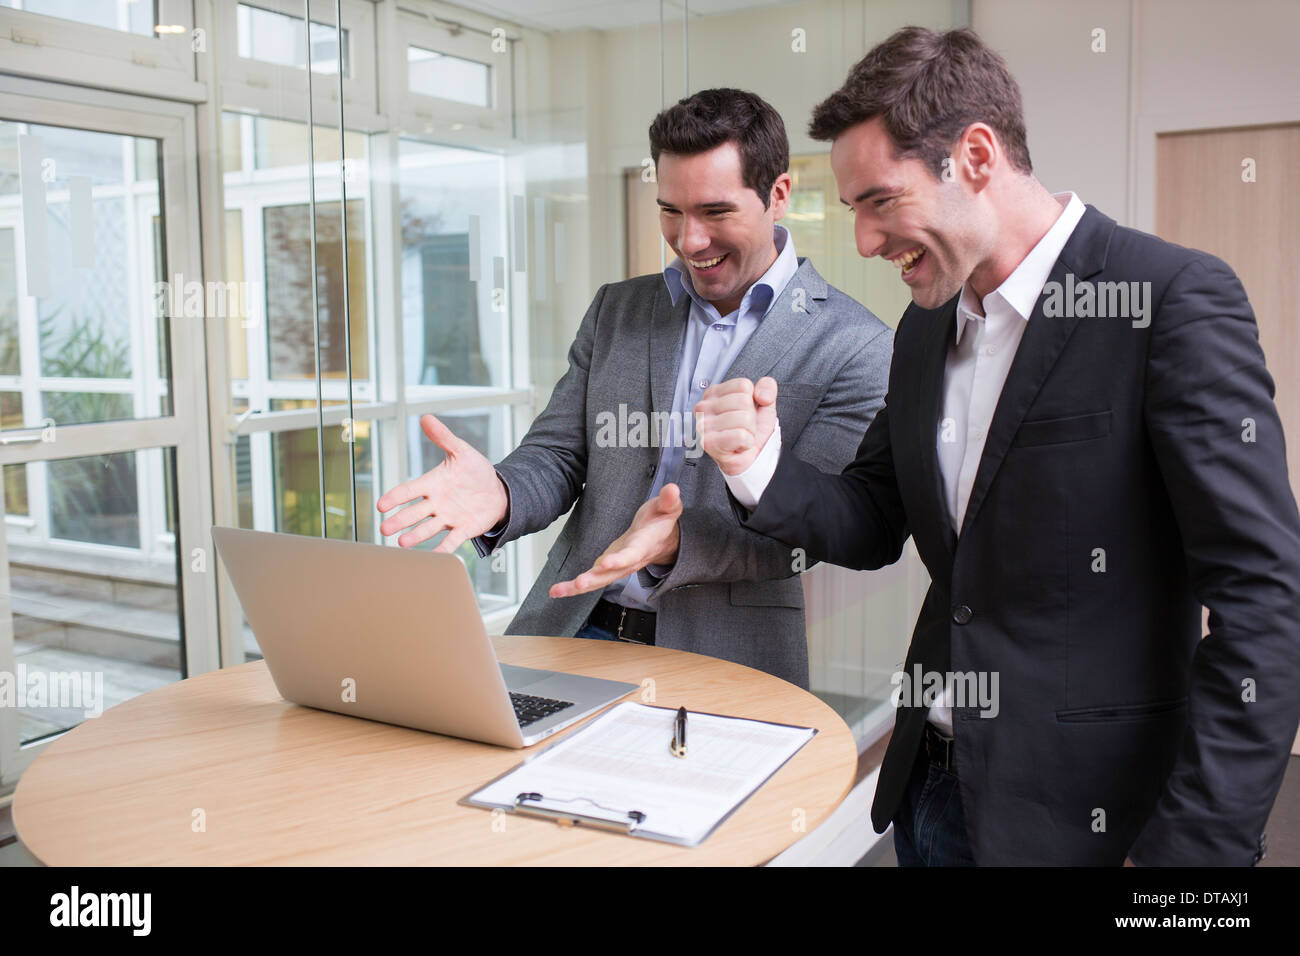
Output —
<point x="281" y="91"/>
<point x="36" y="45"/>
<point x="457" y="33"/>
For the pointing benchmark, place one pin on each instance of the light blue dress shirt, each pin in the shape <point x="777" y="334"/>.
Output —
<point x="709" y="347"/>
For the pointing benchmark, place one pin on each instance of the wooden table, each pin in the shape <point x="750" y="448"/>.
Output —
<point x="220" y="770"/>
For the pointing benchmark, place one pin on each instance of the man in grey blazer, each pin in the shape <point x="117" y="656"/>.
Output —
<point x="616" y="441"/>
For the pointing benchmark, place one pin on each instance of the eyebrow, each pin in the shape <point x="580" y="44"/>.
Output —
<point x="867" y="194"/>
<point x="716" y="204"/>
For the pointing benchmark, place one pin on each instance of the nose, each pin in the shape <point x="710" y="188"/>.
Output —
<point x="694" y="236"/>
<point x="871" y="240"/>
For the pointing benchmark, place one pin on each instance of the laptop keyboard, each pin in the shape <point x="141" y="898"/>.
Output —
<point x="529" y="710"/>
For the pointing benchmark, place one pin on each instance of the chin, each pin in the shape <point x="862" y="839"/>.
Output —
<point x="933" y="296"/>
<point x="926" y="298"/>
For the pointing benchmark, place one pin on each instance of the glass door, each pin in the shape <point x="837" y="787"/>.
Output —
<point x="102" y="412"/>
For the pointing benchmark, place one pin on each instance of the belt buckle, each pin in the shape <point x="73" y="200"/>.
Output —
<point x="622" y="616"/>
<point x="935" y="737"/>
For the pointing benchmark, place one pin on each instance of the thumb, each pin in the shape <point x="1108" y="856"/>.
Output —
<point x="439" y="434"/>
<point x="670" y="499"/>
<point x="765" y="391"/>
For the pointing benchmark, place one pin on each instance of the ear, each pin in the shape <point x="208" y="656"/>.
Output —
<point x="779" y="197"/>
<point x="976" y="155"/>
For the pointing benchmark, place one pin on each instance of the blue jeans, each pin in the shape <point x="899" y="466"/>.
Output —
<point x="929" y="827"/>
<point x="594" y="633"/>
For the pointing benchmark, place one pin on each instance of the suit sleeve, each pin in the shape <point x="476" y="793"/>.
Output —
<point x="715" y="547"/>
<point x="853" y="518"/>
<point x="1219" y="444"/>
<point x="545" y="474"/>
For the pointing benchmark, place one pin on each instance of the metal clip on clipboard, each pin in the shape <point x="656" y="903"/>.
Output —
<point x="570" y="818"/>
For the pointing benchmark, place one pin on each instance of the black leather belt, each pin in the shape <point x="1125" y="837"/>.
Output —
<point x="941" y="750"/>
<point x="625" y="623"/>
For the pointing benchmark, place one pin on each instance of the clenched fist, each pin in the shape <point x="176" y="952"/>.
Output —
<point x="735" y="418"/>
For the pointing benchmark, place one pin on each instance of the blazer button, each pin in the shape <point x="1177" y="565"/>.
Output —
<point x="962" y="614"/>
<point x="649" y="471"/>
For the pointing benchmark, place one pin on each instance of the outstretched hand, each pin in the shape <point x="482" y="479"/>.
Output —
<point x="462" y="494"/>
<point x="653" y="538"/>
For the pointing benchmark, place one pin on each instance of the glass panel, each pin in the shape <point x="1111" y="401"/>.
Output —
<point x="95" y="499"/>
<point x="277" y="38"/>
<point x="268" y="257"/>
<point x="91" y="289"/>
<point x="15" y="476"/>
<point x="9" y="364"/>
<point x="237" y="355"/>
<point x="454" y="330"/>
<point x="287" y="237"/>
<point x="95" y="615"/>
<point x="232" y="142"/>
<point x="78" y="408"/>
<point x="488" y="431"/>
<point x="130" y="16"/>
<point x="296" y="479"/>
<point x="448" y="77"/>
<point x="280" y="144"/>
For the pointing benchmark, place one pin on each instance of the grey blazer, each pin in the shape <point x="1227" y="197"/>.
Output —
<point x="732" y="593"/>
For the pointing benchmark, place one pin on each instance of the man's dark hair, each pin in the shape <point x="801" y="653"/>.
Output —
<point x="928" y="87"/>
<point x="710" y="118"/>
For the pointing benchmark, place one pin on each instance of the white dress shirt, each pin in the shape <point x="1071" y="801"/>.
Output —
<point x="988" y="334"/>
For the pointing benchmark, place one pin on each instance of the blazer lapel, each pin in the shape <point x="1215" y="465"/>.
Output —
<point x="667" y="330"/>
<point x="785" y="321"/>
<point x="1083" y="256"/>
<point x="928" y="401"/>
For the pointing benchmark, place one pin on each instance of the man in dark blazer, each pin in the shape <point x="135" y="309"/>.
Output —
<point x="1080" y="437"/>
<point x="616" y="441"/>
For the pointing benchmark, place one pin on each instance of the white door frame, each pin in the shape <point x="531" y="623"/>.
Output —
<point x="186" y="429"/>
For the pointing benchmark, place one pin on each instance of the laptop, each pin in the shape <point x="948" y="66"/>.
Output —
<point x="393" y="635"/>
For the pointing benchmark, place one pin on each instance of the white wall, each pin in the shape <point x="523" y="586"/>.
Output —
<point x="1179" y="62"/>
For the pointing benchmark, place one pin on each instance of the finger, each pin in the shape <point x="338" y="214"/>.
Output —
<point x="408" y="517"/>
<point x="588" y="580"/>
<point x="401" y="494"/>
<point x="448" y="545"/>
<point x="765" y="391"/>
<point x="440" y="434"/>
<point x="733" y="421"/>
<point x="731" y="402"/>
<point x="729" y="441"/>
<point x="732" y="386"/>
<point x="422" y="532"/>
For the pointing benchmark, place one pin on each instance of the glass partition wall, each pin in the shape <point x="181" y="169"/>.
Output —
<point x="244" y="246"/>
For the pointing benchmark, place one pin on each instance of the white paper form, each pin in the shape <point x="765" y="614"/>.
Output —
<point x="620" y="762"/>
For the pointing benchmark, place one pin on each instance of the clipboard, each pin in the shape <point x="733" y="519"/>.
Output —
<point x="588" y="777"/>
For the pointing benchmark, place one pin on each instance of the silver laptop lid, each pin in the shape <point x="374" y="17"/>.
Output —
<point x="384" y="633"/>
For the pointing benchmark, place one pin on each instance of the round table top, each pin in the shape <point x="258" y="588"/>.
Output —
<point x="220" y="770"/>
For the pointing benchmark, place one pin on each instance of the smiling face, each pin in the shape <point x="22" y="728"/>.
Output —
<point x="716" y="224"/>
<point x="931" y="229"/>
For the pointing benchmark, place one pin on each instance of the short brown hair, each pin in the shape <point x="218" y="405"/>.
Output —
<point x="928" y="87"/>
<point x="710" y="118"/>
